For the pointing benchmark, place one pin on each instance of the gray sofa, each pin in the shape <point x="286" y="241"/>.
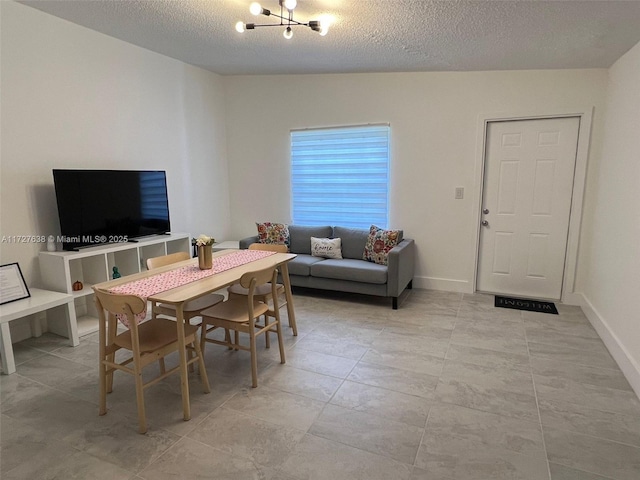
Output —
<point x="350" y="273"/>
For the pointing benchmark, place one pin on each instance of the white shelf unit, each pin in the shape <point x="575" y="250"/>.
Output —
<point x="60" y="270"/>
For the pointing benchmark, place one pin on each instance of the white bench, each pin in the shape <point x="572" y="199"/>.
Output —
<point x="39" y="301"/>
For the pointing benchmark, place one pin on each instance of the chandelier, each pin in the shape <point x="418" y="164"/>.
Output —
<point x="286" y="19"/>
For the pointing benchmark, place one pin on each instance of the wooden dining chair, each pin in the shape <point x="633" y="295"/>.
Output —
<point x="240" y="314"/>
<point x="263" y="293"/>
<point x="163" y="260"/>
<point x="148" y="341"/>
<point x="191" y="309"/>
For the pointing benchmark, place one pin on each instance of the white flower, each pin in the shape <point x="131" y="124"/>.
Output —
<point x="203" y="240"/>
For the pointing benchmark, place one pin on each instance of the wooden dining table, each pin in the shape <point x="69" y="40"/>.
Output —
<point x="179" y="296"/>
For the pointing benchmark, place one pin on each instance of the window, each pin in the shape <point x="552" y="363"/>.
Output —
<point x="340" y="176"/>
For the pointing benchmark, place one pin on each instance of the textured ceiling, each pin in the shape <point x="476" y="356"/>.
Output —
<point x="370" y="35"/>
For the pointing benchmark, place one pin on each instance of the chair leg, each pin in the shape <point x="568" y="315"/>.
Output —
<point x="142" y="418"/>
<point x="103" y="388"/>
<point x="280" y="340"/>
<point x="203" y="372"/>
<point x="109" y="380"/>
<point x="227" y="338"/>
<point x="191" y="368"/>
<point x="267" y="339"/>
<point x="203" y="335"/>
<point x="111" y="331"/>
<point x="254" y="359"/>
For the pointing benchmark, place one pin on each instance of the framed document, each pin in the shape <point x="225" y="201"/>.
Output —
<point x="12" y="284"/>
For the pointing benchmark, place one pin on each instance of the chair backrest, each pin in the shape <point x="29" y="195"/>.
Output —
<point x="117" y="304"/>
<point x="270" y="247"/>
<point x="251" y="280"/>
<point x="158" y="262"/>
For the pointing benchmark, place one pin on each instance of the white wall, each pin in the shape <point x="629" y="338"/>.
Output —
<point x="75" y="98"/>
<point x="434" y="122"/>
<point x="611" y="256"/>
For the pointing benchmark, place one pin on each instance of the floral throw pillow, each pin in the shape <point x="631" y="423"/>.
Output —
<point x="273" y="233"/>
<point x="379" y="243"/>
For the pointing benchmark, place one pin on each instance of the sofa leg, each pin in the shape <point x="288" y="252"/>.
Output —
<point x="394" y="303"/>
<point x="410" y="285"/>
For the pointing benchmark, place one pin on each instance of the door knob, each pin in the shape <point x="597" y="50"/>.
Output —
<point x="485" y="211"/>
<point x="485" y="223"/>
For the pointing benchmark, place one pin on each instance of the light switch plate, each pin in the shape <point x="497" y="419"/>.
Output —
<point x="459" y="193"/>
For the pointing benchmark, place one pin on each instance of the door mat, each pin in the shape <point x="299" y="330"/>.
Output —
<point x="526" y="304"/>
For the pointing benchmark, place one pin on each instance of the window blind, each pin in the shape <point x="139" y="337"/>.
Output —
<point x="340" y="176"/>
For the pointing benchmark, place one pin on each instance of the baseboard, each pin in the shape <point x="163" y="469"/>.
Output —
<point x="576" y="299"/>
<point x="629" y="366"/>
<point x="444" y="284"/>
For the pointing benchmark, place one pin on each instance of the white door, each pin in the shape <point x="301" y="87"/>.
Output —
<point x="528" y="183"/>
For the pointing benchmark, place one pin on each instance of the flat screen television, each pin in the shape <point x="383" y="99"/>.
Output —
<point x="110" y="206"/>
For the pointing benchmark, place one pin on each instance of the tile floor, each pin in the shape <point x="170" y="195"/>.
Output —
<point x="445" y="388"/>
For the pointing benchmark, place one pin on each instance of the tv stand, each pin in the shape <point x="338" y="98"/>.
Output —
<point x="85" y="247"/>
<point x="94" y="264"/>
<point x="146" y="237"/>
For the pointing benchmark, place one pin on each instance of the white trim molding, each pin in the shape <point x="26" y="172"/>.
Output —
<point x="443" y="284"/>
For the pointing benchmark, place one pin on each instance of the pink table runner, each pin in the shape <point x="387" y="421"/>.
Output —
<point x="146" y="287"/>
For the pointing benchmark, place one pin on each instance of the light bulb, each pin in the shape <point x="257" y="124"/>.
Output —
<point x="240" y="27"/>
<point x="325" y="22"/>
<point x="288" y="33"/>
<point x="290" y="4"/>
<point x="255" y="8"/>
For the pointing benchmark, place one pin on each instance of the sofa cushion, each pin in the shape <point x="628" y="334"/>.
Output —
<point x="269" y="232"/>
<point x="353" y="241"/>
<point x="302" y="263"/>
<point x="379" y="242"/>
<point x="349" y="269"/>
<point x="326" y="247"/>
<point x="300" y="237"/>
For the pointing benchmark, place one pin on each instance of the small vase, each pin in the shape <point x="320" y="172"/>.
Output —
<point x="205" y="260"/>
